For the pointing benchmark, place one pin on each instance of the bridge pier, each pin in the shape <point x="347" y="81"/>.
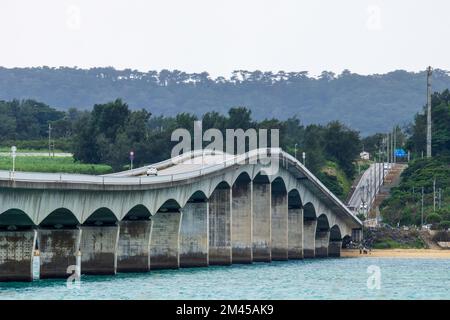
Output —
<point x="322" y="242"/>
<point x="295" y="233"/>
<point x="279" y="225"/>
<point x="309" y="238"/>
<point x="262" y="227"/>
<point x="164" y="244"/>
<point x="133" y="253"/>
<point x="220" y="227"/>
<point x="194" y="235"/>
<point x="16" y="255"/>
<point x="58" y="249"/>
<point x="334" y="249"/>
<point x="242" y="222"/>
<point x="99" y="249"/>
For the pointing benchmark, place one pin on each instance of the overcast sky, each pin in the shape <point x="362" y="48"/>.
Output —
<point x="219" y="36"/>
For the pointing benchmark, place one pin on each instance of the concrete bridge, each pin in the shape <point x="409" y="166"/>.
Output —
<point x="203" y="208"/>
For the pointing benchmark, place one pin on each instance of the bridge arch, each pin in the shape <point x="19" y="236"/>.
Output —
<point x="334" y="248"/>
<point x="101" y="217"/>
<point x="194" y="231"/>
<point x="295" y="225"/>
<point x="346" y="241"/>
<point x="170" y="205"/>
<point x="322" y="236"/>
<point x="261" y="220"/>
<point x="279" y="219"/>
<point x="60" y="218"/>
<point x="242" y="177"/>
<point x="219" y="211"/>
<point x="165" y="236"/>
<point x="13" y="219"/>
<point x="309" y="230"/>
<point x="219" y="184"/>
<point x="138" y="212"/>
<point x="242" y="218"/>
<point x="309" y="211"/>
<point x="335" y="233"/>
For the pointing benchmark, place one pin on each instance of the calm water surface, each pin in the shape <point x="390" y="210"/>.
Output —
<point x="344" y="278"/>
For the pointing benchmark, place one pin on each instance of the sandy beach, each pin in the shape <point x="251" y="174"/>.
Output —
<point x="399" y="253"/>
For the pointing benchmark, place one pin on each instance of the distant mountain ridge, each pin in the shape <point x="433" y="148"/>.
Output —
<point x="370" y="104"/>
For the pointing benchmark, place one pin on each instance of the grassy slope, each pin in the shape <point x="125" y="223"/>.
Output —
<point x="404" y="203"/>
<point x="335" y="180"/>
<point x="50" y="164"/>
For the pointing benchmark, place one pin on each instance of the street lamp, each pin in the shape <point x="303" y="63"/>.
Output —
<point x="13" y="155"/>
<point x="295" y="151"/>
<point x="304" y="158"/>
<point x="131" y="159"/>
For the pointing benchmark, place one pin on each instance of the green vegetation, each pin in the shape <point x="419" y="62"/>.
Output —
<point x="335" y="179"/>
<point x="110" y="131"/>
<point x="386" y="238"/>
<point x="369" y="104"/>
<point x="392" y="244"/>
<point x="404" y="205"/>
<point x="53" y="164"/>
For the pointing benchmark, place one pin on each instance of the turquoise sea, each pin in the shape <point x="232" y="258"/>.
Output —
<point x="342" y="278"/>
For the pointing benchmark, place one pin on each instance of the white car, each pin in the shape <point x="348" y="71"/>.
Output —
<point x="152" y="171"/>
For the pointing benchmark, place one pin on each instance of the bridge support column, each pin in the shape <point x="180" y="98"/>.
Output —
<point x="334" y="249"/>
<point x="279" y="226"/>
<point x="133" y="253"/>
<point x="194" y="235"/>
<point x="164" y="244"/>
<point x="99" y="249"/>
<point x="309" y="238"/>
<point x="58" y="249"/>
<point x="295" y="233"/>
<point x="220" y="227"/>
<point x="242" y="223"/>
<point x="322" y="242"/>
<point x="262" y="227"/>
<point x="16" y="255"/>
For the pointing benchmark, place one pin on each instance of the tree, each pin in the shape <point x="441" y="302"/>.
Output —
<point x="342" y="144"/>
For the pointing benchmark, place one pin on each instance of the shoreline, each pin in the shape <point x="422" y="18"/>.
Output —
<point x="398" y="253"/>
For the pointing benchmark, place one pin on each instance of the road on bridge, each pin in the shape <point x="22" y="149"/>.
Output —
<point x="368" y="187"/>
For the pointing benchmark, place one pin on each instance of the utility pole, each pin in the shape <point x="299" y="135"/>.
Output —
<point x="440" y="197"/>
<point x="49" y="139"/>
<point x="429" y="72"/>
<point x="434" y="195"/>
<point x="395" y="144"/>
<point x="388" y="143"/>
<point x="422" y="209"/>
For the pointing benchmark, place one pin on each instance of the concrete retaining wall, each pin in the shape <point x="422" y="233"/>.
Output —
<point x="242" y="223"/>
<point x="295" y="233"/>
<point x="16" y="255"/>
<point x="58" y="250"/>
<point x="262" y="222"/>
<point x="134" y="246"/>
<point x="309" y="238"/>
<point x="99" y="249"/>
<point x="164" y="244"/>
<point x="194" y="235"/>
<point x="220" y="227"/>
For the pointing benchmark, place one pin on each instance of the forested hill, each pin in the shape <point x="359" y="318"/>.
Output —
<point x="369" y="104"/>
